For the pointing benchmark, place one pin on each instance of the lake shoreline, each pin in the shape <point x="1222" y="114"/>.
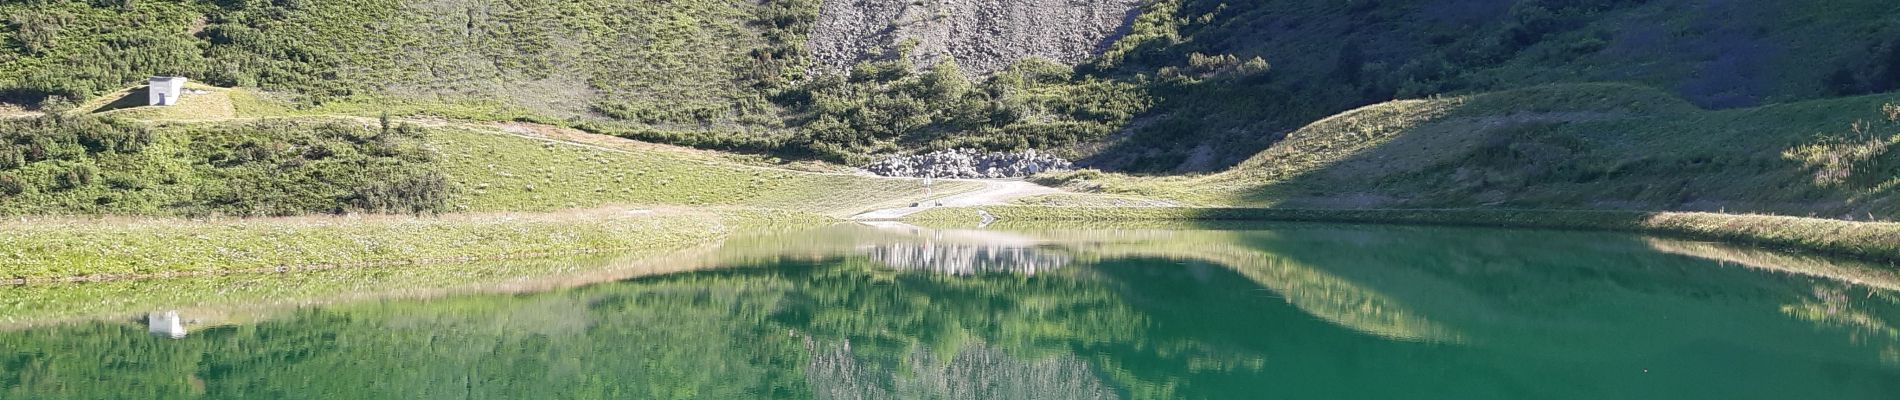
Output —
<point x="1870" y="241"/>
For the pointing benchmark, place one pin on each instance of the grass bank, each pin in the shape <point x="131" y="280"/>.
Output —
<point x="1867" y="240"/>
<point x="48" y="250"/>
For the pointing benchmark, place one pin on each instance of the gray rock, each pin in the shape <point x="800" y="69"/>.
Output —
<point x="983" y="36"/>
<point x="969" y="164"/>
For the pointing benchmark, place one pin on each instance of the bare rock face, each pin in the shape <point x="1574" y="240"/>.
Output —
<point x="969" y="164"/>
<point x="983" y="36"/>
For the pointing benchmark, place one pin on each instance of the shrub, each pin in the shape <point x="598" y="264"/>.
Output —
<point x="414" y="192"/>
<point x="11" y="186"/>
<point x="75" y="177"/>
<point x="126" y="183"/>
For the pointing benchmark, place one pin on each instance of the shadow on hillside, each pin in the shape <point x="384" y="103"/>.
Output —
<point x="1563" y="148"/>
<point x="1199" y="132"/>
<point x="134" y="98"/>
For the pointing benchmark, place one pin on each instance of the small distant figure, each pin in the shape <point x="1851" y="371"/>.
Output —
<point x="165" y="324"/>
<point x="165" y="90"/>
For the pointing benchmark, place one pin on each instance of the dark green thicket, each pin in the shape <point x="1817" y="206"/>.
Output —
<point x="885" y="106"/>
<point x="54" y="154"/>
<point x="289" y="169"/>
<point x="79" y="165"/>
<point x="69" y="50"/>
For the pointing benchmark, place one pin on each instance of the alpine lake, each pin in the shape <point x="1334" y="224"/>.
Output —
<point x="893" y="311"/>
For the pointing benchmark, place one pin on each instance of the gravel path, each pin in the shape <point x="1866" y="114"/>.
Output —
<point x="993" y="192"/>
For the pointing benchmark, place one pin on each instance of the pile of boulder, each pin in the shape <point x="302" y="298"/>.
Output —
<point x="969" y="164"/>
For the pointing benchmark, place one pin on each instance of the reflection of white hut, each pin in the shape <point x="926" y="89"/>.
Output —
<point x="165" y="90"/>
<point x="165" y="323"/>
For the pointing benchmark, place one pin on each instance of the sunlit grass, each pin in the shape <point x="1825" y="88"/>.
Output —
<point x="91" y="249"/>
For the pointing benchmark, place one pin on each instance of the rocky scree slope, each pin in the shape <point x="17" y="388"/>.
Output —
<point x="982" y="36"/>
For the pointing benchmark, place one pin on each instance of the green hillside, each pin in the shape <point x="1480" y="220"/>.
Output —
<point x="1330" y="56"/>
<point x="1194" y="85"/>
<point x="1568" y="147"/>
<point x="554" y="58"/>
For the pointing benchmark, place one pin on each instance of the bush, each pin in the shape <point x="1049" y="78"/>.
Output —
<point x="415" y="192"/>
<point x="11" y="186"/>
<point x="56" y="137"/>
<point x="286" y="168"/>
<point x="75" y="177"/>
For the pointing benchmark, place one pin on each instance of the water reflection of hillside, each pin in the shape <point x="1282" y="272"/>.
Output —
<point x="1303" y="311"/>
<point x="976" y="372"/>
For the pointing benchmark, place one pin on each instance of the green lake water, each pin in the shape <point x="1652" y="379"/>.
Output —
<point x="896" y="312"/>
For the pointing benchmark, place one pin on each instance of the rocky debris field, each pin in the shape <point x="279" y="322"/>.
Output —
<point x="983" y="36"/>
<point x="970" y="164"/>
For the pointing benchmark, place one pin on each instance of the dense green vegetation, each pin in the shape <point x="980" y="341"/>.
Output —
<point x="885" y="107"/>
<point x="75" y="164"/>
<point x="556" y="58"/>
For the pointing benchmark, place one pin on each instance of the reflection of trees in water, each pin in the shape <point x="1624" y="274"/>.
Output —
<point x="1854" y="302"/>
<point x="977" y="371"/>
<point x="966" y="259"/>
<point x="1835" y="308"/>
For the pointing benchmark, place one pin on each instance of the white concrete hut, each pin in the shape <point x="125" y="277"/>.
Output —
<point x="165" y="90"/>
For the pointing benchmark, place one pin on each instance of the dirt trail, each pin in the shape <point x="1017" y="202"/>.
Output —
<point x="993" y="192"/>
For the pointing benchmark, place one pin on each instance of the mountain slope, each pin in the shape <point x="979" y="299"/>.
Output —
<point x="1162" y="85"/>
<point x="1331" y="56"/>
<point x="1568" y="147"/>
<point x="555" y="58"/>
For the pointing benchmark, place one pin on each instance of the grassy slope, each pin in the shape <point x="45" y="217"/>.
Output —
<point x="498" y="171"/>
<point x="1597" y="146"/>
<point x="42" y="250"/>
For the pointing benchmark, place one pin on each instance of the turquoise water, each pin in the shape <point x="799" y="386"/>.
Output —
<point x="1237" y="312"/>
